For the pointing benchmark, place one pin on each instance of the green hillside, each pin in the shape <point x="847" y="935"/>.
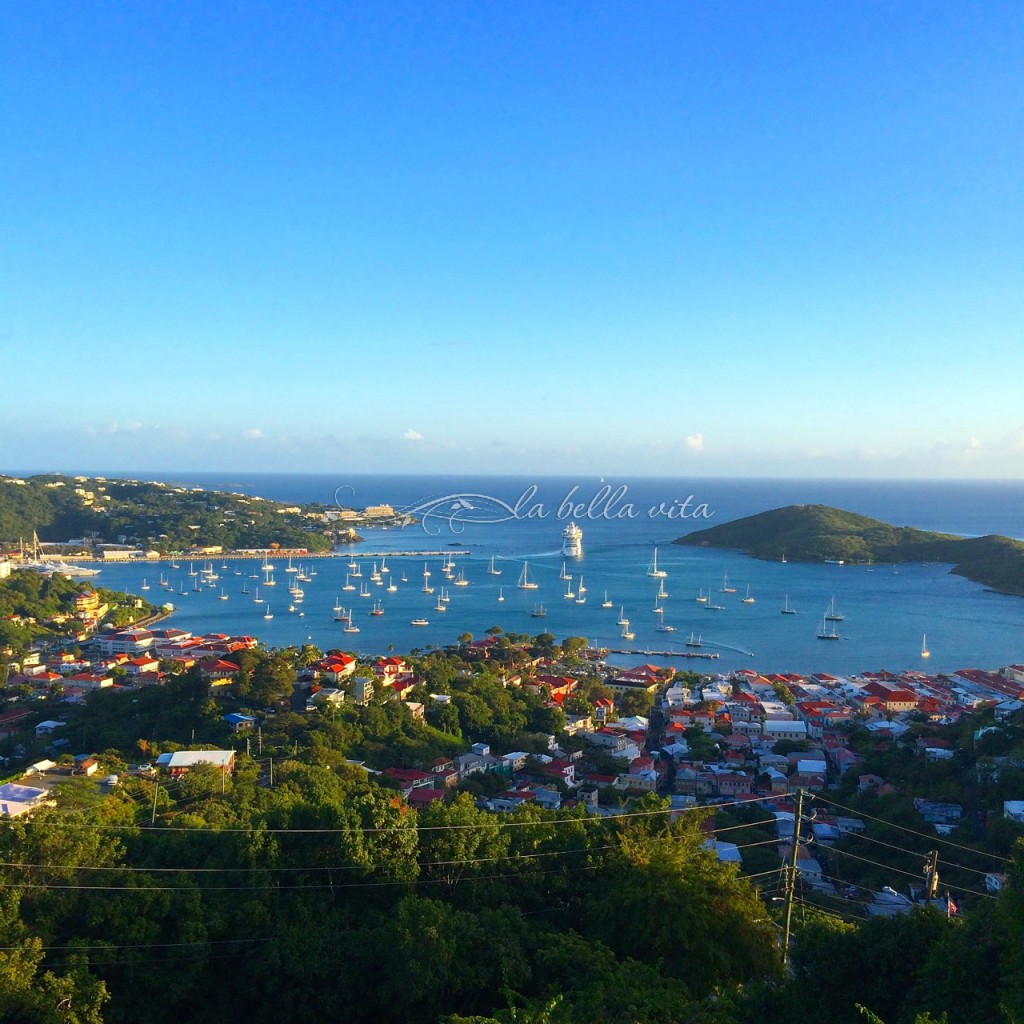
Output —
<point x="814" y="533"/>
<point x="155" y="515"/>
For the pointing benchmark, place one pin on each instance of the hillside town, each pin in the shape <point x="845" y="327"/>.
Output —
<point x="616" y="734"/>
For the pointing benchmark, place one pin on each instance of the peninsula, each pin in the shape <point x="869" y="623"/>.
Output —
<point x="103" y="514"/>
<point x="817" y="533"/>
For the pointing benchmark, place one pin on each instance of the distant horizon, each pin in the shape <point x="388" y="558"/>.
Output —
<point x="609" y="477"/>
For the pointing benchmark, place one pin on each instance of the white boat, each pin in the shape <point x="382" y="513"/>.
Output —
<point x="606" y="603"/>
<point x="653" y="570"/>
<point x="525" y="583"/>
<point x="748" y="599"/>
<point x="491" y="570"/>
<point x="925" y="653"/>
<point x="786" y="610"/>
<point x="572" y="541"/>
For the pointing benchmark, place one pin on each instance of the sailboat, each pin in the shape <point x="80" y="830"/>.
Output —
<point x="925" y="653"/>
<point x="606" y="603"/>
<point x="492" y="571"/>
<point x="748" y="599"/>
<point x="653" y="570"/>
<point x="786" y="610"/>
<point x="832" y="615"/>
<point x="827" y="633"/>
<point x="525" y="583"/>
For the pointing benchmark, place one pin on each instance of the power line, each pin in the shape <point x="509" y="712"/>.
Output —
<point x="487" y="822"/>
<point x="924" y="835"/>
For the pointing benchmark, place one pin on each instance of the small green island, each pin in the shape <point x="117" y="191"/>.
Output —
<point x="819" y="533"/>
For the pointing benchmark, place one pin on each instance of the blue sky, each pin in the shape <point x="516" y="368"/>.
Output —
<point x="666" y="238"/>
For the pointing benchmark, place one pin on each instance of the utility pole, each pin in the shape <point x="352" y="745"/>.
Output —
<point x="791" y="876"/>
<point x="931" y="877"/>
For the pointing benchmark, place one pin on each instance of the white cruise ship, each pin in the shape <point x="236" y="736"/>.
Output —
<point x="572" y="541"/>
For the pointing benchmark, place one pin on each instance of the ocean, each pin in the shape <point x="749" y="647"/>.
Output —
<point x="886" y="610"/>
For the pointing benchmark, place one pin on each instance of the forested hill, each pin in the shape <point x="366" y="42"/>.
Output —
<point x="155" y="515"/>
<point x="813" y="533"/>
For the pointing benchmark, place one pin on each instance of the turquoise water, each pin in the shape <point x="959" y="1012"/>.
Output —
<point x="886" y="609"/>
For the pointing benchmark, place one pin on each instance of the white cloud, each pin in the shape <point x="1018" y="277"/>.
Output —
<point x="412" y="435"/>
<point x="695" y="442"/>
<point x="253" y="433"/>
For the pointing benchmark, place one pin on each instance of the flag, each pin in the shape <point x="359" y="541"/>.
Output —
<point x="951" y="907"/>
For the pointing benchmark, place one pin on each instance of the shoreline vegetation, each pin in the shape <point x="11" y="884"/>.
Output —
<point x="819" y="533"/>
